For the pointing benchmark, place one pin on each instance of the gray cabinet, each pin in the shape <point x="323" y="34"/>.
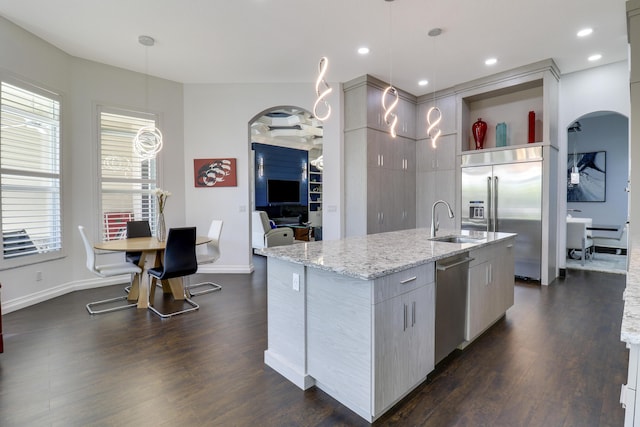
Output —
<point x="491" y="286"/>
<point x="404" y="351"/>
<point x="380" y="171"/>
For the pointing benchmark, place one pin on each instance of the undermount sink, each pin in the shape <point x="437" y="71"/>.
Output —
<point x="457" y="239"/>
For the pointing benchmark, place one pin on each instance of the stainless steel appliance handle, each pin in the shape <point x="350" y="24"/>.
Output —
<point x="495" y="203"/>
<point x="448" y="266"/>
<point x="489" y="197"/>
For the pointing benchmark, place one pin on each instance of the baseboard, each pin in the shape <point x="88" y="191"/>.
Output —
<point x="47" y="294"/>
<point x="230" y="269"/>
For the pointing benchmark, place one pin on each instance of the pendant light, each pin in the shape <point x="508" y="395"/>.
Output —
<point x="148" y="141"/>
<point x="434" y="115"/>
<point x="390" y="117"/>
<point x="574" y="176"/>
<point x="322" y="95"/>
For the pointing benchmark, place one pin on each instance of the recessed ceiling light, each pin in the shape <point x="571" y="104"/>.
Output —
<point x="585" y="32"/>
<point x="595" y="57"/>
<point x="491" y="61"/>
<point x="423" y="82"/>
<point x="363" y="50"/>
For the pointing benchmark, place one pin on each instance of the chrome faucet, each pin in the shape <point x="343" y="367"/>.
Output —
<point x="434" y="223"/>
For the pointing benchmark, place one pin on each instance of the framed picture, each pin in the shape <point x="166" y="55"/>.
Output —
<point x="209" y="173"/>
<point x="592" y="177"/>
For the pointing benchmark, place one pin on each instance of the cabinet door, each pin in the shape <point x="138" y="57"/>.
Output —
<point x="505" y="275"/>
<point x="480" y="304"/>
<point x="404" y="344"/>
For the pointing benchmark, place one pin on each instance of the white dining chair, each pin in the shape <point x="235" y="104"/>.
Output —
<point x="107" y="270"/>
<point x="210" y="255"/>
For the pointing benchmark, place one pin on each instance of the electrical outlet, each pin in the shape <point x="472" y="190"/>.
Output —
<point x="38" y="276"/>
<point x="296" y="282"/>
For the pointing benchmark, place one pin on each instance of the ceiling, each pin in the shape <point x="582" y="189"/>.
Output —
<point x="273" y="41"/>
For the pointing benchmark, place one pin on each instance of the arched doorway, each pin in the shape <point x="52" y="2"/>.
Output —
<point x="287" y="157"/>
<point x="597" y="182"/>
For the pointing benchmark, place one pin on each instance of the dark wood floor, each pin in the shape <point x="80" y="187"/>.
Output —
<point x="555" y="360"/>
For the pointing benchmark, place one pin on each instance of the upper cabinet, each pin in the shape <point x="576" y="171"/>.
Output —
<point x="363" y="107"/>
<point x="508" y="98"/>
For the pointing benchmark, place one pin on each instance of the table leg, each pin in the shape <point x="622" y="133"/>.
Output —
<point x="148" y="260"/>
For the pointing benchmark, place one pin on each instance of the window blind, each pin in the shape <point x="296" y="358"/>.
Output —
<point x="127" y="180"/>
<point x="29" y="172"/>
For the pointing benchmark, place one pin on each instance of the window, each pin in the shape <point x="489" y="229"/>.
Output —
<point x="29" y="174"/>
<point x="127" y="180"/>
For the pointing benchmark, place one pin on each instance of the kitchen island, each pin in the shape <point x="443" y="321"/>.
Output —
<point x="356" y="317"/>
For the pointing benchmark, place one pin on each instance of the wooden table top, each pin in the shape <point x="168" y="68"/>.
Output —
<point x="140" y="244"/>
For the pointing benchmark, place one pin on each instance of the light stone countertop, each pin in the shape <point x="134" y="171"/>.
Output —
<point x="630" y="330"/>
<point x="375" y="255"/>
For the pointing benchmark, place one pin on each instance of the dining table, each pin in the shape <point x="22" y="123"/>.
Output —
<point x="152" y="251"/>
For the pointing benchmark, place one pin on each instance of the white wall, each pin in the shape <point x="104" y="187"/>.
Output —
<point x="217" y="120"/>
<point x="84" y="84"/>
<point x="604" y="88"/>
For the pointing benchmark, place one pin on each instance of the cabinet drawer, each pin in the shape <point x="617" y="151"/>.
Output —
<point x="403" y="281"/>
<point x="482" y="255"/>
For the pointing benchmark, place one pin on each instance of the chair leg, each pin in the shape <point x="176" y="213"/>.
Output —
<point x="212" y="288"/>
<point x="152" y="293"/>
<point x="107" y="301"/>
<point x="193" y="305"/>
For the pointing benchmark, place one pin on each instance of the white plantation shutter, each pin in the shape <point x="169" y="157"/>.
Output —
<point x="127" y="180"/>
<point x="29" y="173"/>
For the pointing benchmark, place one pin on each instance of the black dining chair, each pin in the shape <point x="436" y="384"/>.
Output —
<point x="137" y="229"/>
<point x="179" y="261"/>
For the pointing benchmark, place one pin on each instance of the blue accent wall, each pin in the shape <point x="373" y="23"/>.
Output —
<point x="279" y="163"/>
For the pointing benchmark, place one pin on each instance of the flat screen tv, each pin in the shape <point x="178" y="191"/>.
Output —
<point x="280" y="191"/>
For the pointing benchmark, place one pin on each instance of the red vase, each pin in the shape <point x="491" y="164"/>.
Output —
<point x="479" y="130"/>
<point x="532" y="127"/>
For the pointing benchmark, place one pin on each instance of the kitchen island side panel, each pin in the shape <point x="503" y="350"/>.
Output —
<point x="339" y="346"/>
<point x="286" y="317"/>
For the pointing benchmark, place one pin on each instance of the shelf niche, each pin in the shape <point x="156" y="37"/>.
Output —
<point x="508" y="97"/>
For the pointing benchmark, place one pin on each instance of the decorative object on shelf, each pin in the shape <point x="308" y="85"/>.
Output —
<point x="322" y="95"/>
<point x="501" y="134"/>
<point x="532" y="127"/>
<point x="479" y="130"/>
<point x="148" y="140"/>
<point x="318" y="163"/>
<point x="161" y="228"/>
<point x="592" y="168"/>
<point x="218" y="172"/>
<point x="390" y="117"/>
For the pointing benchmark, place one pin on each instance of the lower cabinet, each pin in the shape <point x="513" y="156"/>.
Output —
<point x="404" y="344"/>
<point x="369" y="343"/>
<point x="491" y="286"/>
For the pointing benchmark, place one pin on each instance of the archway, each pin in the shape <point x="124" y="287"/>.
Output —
<point x="597" y="182"/>
<point x="287" y="164"/>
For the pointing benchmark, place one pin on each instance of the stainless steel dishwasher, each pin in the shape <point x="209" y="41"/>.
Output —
<point x="452" y="275"/>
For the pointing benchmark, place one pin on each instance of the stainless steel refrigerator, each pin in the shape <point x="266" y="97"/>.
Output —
<point x="502" y="191"/>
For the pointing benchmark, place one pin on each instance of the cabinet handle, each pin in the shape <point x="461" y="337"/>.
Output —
<point x="510" y="246"/>
<point x="490" y="273"/>
<point x="381" y="159"/>
<point x="405" y="317"/>
<point x="410" y="279"/>
<point x="413" y="314"/>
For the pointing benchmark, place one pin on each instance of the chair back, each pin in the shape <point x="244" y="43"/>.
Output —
<point x="138" y="229"/>
<point x="180" y="253"/>
<point x="88" y="247"/>
<point x="576" y="233"/>
<point x="261" y="221"/>
<point x="212" y="249"/>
